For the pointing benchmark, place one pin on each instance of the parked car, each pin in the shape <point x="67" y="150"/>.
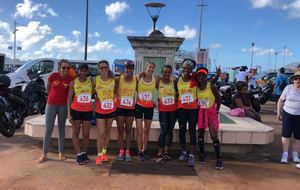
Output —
<point x="44" y="67"/>
<point x="264" y="77"/>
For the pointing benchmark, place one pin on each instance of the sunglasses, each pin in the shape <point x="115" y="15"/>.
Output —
<point x="297" y="78"/>
<point x="66" y="68"/>
<point x="103" y="67"/>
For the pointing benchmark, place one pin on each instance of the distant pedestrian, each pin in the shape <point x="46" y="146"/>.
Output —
<point x="177" y="71"/>
<point x="288" y="111"/>
<point x="242" y="75"/>
<point x="281" y="82"/>
<point x="57" y="89"/>
<point x="252" y="79"/>
<point x="298" y="68"/>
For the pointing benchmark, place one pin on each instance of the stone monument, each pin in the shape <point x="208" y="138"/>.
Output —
<point x="156" y="47"/>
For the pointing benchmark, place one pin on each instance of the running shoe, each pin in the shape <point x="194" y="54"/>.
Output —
<point x="202" y="159"/>
<point x="167" y="156"/>
<point x="79" y="159"/>
<point x="191" y="160"/>
<point x="147" y="157"/>
<point x="183" y="156"/>
<point x="298" y="166"/>
<point x="219" y="165"/>
<point x="99" y="160"/>
<point x="159" y="159"/>
<point x="85" y="157"/>
<point x="120" y="156"/>
<point x="295" y="157"/>
<point x="142" y="156"/>
<point x="127" y="157"/>
<point x="284" y="158"/>
<point x="104" y="157"/>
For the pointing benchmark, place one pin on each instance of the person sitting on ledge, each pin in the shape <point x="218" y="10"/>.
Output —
<point x="242" y="100"/>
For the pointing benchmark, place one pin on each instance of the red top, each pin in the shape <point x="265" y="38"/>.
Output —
<point x="59" y="89"/>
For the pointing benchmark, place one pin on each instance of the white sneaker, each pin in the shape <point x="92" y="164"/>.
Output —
<point x="295" y="157"/>
<point x="298" y="166"/>
<point x="284" y="158"/>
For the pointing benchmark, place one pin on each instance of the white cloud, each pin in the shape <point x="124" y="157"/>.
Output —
<point x="95" y="35"/>
<point x="114" y="10"/>
<point x="293" y="8"/>
<point x="267" y="51"/>
<point x="61" y="44"/>
<point x="76" y="34"/>
<point x="188" y="33"/>
<point x="29" y="9"/>
<point x="5" y="26"/>
<point x="215" y="46"/>
<point x="100" y="47"/>
<point x="122" y="30"/>
<point x="31" y="34"/>
<point x="257" y="4"/>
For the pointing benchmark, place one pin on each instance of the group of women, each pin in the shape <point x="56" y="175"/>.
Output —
<point x="191" y="99"/>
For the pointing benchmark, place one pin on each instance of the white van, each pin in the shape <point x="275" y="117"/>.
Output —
<point x="45" y="66"/>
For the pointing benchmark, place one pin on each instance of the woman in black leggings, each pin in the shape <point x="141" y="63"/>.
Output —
<point x="167" y="112"/>
<point x="187" y="110"/>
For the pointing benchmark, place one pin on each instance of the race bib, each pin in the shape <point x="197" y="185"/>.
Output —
<point x="187" y="98"/>
<point x="168" y="100"/>
<point x="146" y="96"/>
<point x="203" y="103"/>
<point x="126" y="101"/>
<point x="84" y="98"/>
<point x="107" y="104"/>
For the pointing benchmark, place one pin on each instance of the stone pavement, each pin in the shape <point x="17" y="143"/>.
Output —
<point x="259" y="169"/>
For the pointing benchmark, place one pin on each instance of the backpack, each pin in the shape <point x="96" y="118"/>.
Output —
<point x="283" y="84"/>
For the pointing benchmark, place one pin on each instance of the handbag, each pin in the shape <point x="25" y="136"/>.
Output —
<point x="237" y="112"/>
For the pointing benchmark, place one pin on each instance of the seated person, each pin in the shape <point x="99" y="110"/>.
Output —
<point x="242" y="100"/>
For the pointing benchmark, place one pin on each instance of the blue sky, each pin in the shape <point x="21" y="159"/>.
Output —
<point x="56" y="28"/>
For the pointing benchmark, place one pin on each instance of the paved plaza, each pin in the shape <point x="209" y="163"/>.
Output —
<point x="258" y="169"/>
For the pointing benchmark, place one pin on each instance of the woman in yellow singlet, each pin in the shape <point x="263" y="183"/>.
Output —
<point x="125" y="90"/>
<point x="187" y="110"/>
<point x="104" y="85"/>
<point x="167" y="113"/>
<point x="144" y="108"/>
<point x="209" y="102"/>
<point x="80" y="111"/>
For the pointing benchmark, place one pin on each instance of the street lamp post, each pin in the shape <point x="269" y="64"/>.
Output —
<point x="154" y="10"/>
<point x="284" y="50"/>
<point x="14" y="47"/>
<point x="252" y="44"/>
<point x="276" y="52"/>
<point x="86" y="28"/>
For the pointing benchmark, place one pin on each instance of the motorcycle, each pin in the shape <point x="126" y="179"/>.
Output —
<point x="255" y="98"/>
<point x="266" y="92"/>
<point x="35" y="94"/>
<point x="7" y="123"/>
<point x="226" y="92"/>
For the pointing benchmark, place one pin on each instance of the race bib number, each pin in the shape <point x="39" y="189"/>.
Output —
<point x="84" y="98"/>
<point x="203" y="103"/>
<point x="107" y="104"/>
<point x="187" y="98"/>
<point x="146" y="96"/>
<point x="168" y="100"/>
<point x="126" y="101"/>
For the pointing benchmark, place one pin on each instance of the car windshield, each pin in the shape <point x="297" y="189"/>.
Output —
<point x="24" y="65"/>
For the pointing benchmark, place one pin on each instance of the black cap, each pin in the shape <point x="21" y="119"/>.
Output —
<point x="83" y="65"/>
